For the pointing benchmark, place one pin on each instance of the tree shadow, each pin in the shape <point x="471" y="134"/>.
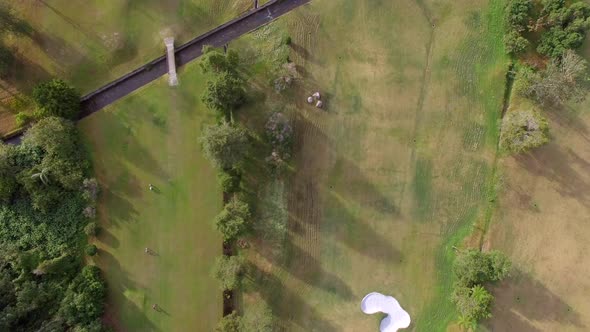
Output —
<point x="117" y="302"/>
<point x="120" y="210"/>
<point x="555" y="164"/>
<point x="287" y="304"/>
<point x="107" y="238"/>
<point x="521" y="300"/>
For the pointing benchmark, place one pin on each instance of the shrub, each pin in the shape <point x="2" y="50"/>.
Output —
<point x="91" y="250"/>
<point x="228" y="271"/>
<point x="225" y="145"/>
<point x="91" y="229"/>
<point x="234" y="219"/>
<point x="523" y="130"/>
<point x="89" y="212"/>
<point x="230" y="323"/>
<point x="287" y="40"/>
<point x="57" y="98"/>
<point x="22" y="119"/>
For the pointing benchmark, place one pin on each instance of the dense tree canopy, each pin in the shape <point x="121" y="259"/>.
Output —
<point x="224" y="93"/>
<point x="228" y="271"/>
<point x="213" y="60"/>
<point x="566" y="26"/>
<point x="475" y="267"/>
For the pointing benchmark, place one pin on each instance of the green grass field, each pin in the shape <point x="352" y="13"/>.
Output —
<point x="151" y="137"/>
<point x="90" y="43"/>
<point x="398" y="168"/>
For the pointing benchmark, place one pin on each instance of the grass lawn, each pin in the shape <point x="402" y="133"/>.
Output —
<point x="91" y="42"/>
<point x="398" y="168"/>
<point x="151" y="137"/>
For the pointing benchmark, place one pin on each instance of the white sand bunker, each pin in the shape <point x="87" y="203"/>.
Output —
<point x="397" y="318"/>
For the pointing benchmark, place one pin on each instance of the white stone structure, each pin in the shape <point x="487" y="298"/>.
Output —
<point x="397" y="318"/>
<point x="172" y="78"/>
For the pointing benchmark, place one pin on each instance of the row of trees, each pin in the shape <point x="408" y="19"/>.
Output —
<point x="227" y="144"/>
<point x="473" y="269"/>
<point x="559" y="80"/>
<point x="47" y="200"/>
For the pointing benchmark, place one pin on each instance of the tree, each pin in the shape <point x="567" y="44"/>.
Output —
<point x="229" y="180"/>
<point x="515" y="43"/>
<point x="224" y="93"/>
<point x="473" y="267"/>
<point x="57" y="98"/>
<point x="91" y="250"/>
<point x="217" y="62"/>
<point x="258" y="318"/>
<point x="234" y="219"/>
<point x="562" y="81"/>
<point x="473" y="303"/>
<point x="228" y="271"/>
<point x="523" y="130"/>
<point x="8" y="183"/>
<point x="225" y="145"/>
<point x="230" y="323"/>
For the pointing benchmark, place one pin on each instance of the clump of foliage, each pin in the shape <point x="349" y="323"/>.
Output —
<point x="523" y="130"/>
<point x="228" y="270"/>
<point x="234" y="219"/>
<point x="84" y="299"/>
<point x="56" y="98"/>
<point x="473" y="268"/>
<point x="225" y="145"/>
<point x="563" y="80"/>
<point x="279" y="134"/>
<point x="91" y="250"/>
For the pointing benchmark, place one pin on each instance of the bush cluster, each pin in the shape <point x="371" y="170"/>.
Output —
<point x="279" y="133"/>
<point x="474" y="268"/>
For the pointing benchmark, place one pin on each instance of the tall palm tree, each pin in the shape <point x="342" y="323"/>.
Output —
<point x="43" y="176"/>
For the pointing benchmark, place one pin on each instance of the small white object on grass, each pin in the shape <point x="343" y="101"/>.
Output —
<point x="151" y="186"/>
<point x="319" y="104"/>
<point x="317" y="95"/>
<point x="397" y="318"/>
<point x="309" y="99"/>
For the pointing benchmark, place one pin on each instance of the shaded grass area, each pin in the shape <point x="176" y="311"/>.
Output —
<point x="396" y="170"/>
<point x="90" y="43"/>
<point x="151" y="137"/>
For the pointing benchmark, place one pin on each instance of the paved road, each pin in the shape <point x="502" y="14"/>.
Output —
<point x="217" y="37"/>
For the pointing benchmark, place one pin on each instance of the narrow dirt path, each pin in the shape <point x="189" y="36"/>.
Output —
<point x="153" y="70"/>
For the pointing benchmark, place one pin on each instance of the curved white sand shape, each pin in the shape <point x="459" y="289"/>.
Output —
<point x="397" y="318"/>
